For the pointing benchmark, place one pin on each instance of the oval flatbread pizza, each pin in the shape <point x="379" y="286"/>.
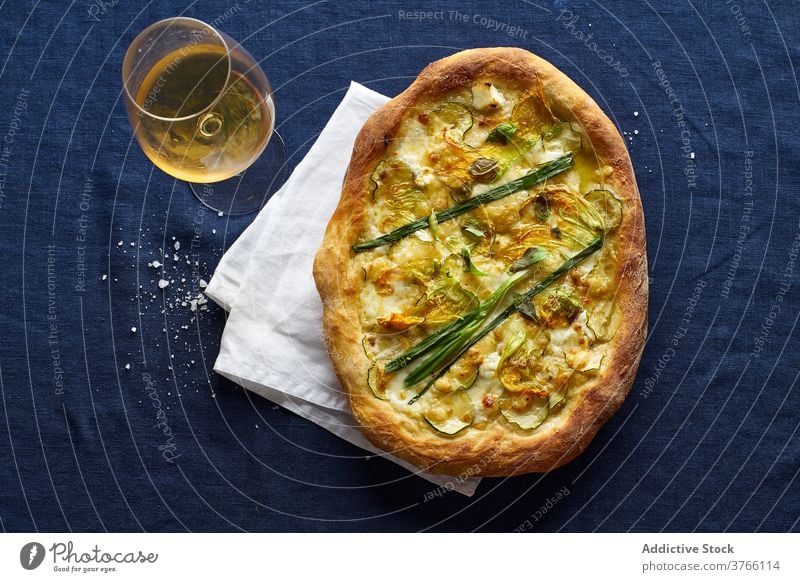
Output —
<point x="484" y="276"/>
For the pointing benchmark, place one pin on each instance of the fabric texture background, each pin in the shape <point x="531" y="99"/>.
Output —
<point x="107" y="428"/>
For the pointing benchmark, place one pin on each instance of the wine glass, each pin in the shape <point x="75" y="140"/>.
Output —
<point x="203" y="111"/>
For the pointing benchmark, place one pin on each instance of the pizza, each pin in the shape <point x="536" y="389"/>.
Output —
<point x="484" y="276"/>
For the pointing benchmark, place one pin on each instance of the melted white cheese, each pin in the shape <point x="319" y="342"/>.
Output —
<point x="486" y="96"/>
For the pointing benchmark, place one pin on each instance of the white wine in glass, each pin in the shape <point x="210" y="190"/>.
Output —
<point x="202" y="110"/>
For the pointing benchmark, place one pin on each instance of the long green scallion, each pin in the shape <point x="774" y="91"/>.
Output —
<point x="459" y="339"/>
<point x="540" y="174"/>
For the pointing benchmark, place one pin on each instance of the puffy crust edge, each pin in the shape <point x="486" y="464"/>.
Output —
<point x="498" y="450"/>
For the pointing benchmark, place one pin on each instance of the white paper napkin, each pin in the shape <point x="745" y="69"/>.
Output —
<point x="273" y="343"/>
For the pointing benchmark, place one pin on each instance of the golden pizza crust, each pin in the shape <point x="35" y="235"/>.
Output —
<point x="499" y="449"/>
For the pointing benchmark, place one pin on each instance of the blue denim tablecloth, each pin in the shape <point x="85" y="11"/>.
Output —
<point x="107" y="428"/>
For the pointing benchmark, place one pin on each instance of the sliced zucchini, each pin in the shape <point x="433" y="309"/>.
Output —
<point x="526" y="410"/>
<point x="562" y="136"/>
<point x="392" y="176"/>
<point x="448" y="426"/>
<point x="412" y="248"/>
<point x="557" y="398"/>
<point x="603" y="314"/>
<point x="377" y="381"/>
<point x="365" y="344"/>
<point x="452" y="119"/>
<point x="412" y="201"/>
<point x="462" y="376"/>
<point x="395" y="187"/>
<point x="604" y="320"/>
<point x="450" y="414"/>
<point x="396" y="219"/>
<point x="469" y="381"/>
<point x="608" y="206"/>
<point x="374" y="344"/>
<point x="586" y="362"/>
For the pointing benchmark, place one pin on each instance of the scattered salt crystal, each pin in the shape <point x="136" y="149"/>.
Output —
<point x="220" y="213"/>
<point x="175" y="257"/>
<point x="119" y="244"/>
<point x="133" y="329"/>
<point x="133" y="244"/>
<point x="154" y="264"/>
<point x="177" y="246"/>
<point x="203" y="284"/>
<point x="213" y="231"/>
<point x="127" y="366"/>
<point x="193" y="304"/>
<point x="636" y="114"/>
<point x="104" y="277"/>
<point x="691" y="155"/>
<point x="162" y="283"/>
<point x="636" y="131"/>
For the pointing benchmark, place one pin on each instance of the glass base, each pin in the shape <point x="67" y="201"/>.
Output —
<point x="248" y="191"/>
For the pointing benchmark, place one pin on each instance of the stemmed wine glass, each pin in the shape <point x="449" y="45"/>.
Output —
<point x="202" y="110"/>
